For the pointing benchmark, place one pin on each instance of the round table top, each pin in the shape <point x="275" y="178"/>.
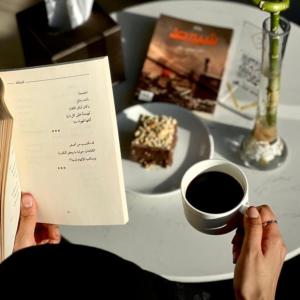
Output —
<point x="158" y="237"/>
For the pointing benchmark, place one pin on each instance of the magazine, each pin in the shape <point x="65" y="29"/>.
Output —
<point x="184" y="64"/>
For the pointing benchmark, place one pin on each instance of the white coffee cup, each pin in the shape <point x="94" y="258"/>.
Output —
<point x="214" y="223"/>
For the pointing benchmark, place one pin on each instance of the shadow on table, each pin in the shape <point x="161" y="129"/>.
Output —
<point x="126" y="134"/>
<point x="136" y="32"/>
<point x="227" y="139"/>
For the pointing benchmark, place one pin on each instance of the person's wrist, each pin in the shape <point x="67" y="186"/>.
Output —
<point x="259" y="295"/>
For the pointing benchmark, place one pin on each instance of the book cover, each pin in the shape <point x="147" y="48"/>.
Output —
<point x="63" y="147"/>
<point x="184" y="64"/>
<point x="242" y="83"/>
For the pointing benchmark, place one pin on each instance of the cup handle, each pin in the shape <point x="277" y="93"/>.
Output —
<point x="244" y="207"/>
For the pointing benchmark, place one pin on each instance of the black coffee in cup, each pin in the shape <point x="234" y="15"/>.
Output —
<point x="214" y="192"/>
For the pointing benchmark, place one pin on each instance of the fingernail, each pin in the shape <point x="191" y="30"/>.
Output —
<point x="27" y="201"/>
<point x="57" y="235"/>
<point x="252" y="212"/>
<point x="43" y="242"/>
<point x="54" y="242"/>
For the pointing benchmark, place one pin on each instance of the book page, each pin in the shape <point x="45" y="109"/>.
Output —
<point x="11" y="204"/>
<point x="66" y="142"/>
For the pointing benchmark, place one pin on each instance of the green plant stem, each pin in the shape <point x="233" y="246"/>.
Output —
<point x="273" y="72"/>
<point x="274" y="6"/>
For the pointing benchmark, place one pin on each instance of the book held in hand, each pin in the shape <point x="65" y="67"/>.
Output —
<point x="184" y="64"/>
<point x="59" y="141"/>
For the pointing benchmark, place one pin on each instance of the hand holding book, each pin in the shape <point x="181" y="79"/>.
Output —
<point x="62" y="145"/>
<point x="31" y="233"/>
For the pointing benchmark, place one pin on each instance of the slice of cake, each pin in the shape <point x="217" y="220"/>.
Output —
<point x="154" y="140"/>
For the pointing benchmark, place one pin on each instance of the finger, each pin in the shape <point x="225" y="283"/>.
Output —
<point x="267" y="214"/>
<point x="236" y="251"/>
<point x="53" y="233"/>
<point x="48" y="232"/>
<point x="272" y="241"/>
<point x="28" y="215"/>
<point x="238" y="237"/>
<point x="25" y="234"/>
<point x="41" y="232"/>
<point x="43" y="242"/>
<point x="253" y="230"/>
<point x="237" y="243"/>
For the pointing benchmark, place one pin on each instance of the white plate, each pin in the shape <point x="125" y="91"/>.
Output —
<point x="194" y="143"/>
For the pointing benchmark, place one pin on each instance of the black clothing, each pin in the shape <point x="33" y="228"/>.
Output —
<point x="73" y="270"/>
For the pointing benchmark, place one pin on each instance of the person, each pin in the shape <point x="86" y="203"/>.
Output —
<point x="258" y="253"/>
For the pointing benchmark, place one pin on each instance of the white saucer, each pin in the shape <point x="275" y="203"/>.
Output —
<point x="195" y="143"/>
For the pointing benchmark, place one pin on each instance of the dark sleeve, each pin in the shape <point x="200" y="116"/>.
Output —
<point x="69" y="269"/>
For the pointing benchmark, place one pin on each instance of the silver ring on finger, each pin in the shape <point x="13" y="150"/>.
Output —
<point x="269" y="222"/>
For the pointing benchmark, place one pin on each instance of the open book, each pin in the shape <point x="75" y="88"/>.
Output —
<point x="59" y="141"/>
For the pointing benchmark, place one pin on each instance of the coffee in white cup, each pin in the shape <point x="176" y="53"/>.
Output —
<point x="214" y="196"/>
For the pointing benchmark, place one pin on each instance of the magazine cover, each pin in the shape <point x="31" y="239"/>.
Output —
<point x="184" y="64"/>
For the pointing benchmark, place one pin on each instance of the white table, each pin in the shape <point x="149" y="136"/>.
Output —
<point x="157" y="237"/>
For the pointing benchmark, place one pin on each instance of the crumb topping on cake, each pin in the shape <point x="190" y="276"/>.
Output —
<point x="155" y="131"/>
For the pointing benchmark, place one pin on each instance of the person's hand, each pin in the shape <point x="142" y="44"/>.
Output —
<point x="30" y="232"/>
<point x="259" y="252"/>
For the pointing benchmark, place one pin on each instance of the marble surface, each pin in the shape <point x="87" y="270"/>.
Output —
<point x="157" y="237"/>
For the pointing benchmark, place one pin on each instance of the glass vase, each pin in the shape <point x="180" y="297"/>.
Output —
<point x="264" y="149"/>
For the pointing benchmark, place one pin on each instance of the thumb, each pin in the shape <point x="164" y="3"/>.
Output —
<point x="253" y="230"/>
<point x="28" y="217"/>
